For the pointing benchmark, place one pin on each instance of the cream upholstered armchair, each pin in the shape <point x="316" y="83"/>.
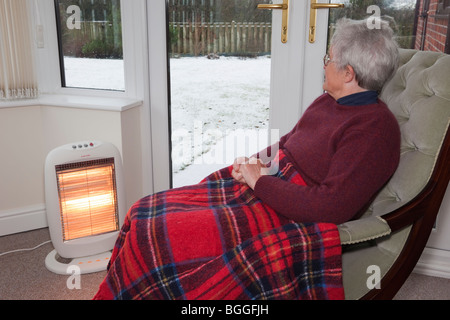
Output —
<point x="392" y="234"/>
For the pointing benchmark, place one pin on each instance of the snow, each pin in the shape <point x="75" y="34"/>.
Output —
<point x="105" y="74"/>
<point x="220" y="107"/>
<point x="216" y="106"/>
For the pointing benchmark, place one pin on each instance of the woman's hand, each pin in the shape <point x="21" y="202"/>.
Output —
<point x="248" y="171"/>
<point x="236" y="173"/>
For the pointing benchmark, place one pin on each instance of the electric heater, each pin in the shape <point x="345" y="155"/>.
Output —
<point x="85" y="205"/>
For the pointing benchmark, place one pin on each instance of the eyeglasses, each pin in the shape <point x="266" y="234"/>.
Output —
<point x="327" y="60"/>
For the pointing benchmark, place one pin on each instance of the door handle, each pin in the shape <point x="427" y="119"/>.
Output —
<point x="313" y="16"/>
<point x="326" y="5"/>
<point x="285" y="22"/>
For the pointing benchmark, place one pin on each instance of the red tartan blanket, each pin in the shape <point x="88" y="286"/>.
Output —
<point x="216" y="240"/>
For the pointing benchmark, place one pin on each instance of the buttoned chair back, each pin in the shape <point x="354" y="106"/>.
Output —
<point x="392" y="234"/>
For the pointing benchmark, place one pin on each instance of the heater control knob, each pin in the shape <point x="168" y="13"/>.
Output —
<point x="83" y="146"/>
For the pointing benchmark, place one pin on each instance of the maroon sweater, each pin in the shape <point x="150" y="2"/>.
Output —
<point x="345" y="154"/>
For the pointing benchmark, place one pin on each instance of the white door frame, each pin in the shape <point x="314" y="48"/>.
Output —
<point x="159" y="98"/>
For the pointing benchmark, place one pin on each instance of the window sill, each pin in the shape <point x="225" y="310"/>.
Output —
<point x="79" y="102"/>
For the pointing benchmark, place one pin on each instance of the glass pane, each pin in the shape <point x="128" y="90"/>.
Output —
<point x="220" y="84"/>
<point x="90" y="41"/>
<point x="417" y="24"/>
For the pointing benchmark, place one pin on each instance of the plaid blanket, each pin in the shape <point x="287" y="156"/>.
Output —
<point x="216" y="240"/>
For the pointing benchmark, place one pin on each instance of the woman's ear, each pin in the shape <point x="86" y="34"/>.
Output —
<point x="349" y="74"/>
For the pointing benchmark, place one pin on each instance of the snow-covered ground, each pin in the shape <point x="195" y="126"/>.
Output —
<point x="220" y="108"/>
<point x="217" y="101"/>
<point x="105" y="74"/>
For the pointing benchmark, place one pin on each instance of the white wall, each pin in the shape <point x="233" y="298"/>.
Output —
<point x="22" y="156"/>
<point x="29" y="133"/>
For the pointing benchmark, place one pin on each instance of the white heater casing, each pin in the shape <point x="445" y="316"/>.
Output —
<point x="76" y="153"/>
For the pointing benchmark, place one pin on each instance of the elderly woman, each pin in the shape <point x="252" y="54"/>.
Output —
<point x="347" y="144"/>
<point x="244" y="234"/>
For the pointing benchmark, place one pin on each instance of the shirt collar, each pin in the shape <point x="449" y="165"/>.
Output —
<point x="359" y="99"/>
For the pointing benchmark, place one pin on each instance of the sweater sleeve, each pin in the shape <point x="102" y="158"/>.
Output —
<point x="354" y="177"/>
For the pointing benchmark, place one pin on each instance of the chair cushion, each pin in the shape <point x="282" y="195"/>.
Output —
<point x="419" y="97"/>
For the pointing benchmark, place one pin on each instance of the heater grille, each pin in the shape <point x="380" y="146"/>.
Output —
<point x="87" y="198"/>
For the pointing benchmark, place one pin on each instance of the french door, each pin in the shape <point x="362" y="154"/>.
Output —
<point x="285" y="75"/>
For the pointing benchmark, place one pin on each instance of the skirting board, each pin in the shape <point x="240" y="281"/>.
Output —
<point x="23" y="220"/>
<point x="435" y="263"/>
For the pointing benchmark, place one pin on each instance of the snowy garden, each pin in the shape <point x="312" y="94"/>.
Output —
<point x="219" y="107"/>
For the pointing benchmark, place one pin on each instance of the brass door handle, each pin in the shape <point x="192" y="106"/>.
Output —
<point x="326" y="5"/>
<point x="285" y="22"/>
<point x="272" y="6"/>
<point x="313" y="16"/>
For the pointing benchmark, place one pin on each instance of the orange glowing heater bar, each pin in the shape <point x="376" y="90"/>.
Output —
<point x="87" y="198"/>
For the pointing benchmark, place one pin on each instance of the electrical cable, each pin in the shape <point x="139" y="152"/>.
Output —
<point x="22" y="250"/>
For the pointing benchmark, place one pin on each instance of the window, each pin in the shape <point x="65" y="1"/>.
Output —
<point x="17" y="68"/>
<point x="90" y="44"/>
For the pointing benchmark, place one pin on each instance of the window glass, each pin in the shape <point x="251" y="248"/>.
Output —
<point x="399" y="13"/>
<point x="90" y="44"/>
<point x="417" y="24"/>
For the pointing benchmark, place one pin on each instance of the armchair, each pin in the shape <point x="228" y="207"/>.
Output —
<point x="392" y="234"/>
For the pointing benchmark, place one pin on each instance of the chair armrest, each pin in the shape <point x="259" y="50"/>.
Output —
<point x="364" y="229"/>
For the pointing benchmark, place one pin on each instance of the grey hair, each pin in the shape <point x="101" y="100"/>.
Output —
<point x="369" y="48"/>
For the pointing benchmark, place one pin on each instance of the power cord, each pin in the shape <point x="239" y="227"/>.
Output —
<point x="21" y="250"/>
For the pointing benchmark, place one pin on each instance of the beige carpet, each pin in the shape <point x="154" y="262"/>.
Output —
<point x="24" y="276"/>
